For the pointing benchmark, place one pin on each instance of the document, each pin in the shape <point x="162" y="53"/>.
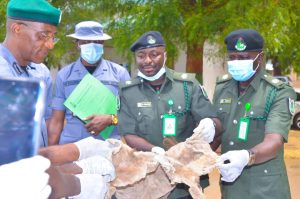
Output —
<point x="92" y="97"/>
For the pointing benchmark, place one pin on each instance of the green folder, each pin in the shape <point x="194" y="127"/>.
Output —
<point x="91" y="97"/>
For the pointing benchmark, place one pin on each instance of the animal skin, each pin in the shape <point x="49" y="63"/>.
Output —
<point x="150" y="176"/>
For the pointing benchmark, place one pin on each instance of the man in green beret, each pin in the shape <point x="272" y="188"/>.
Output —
<point x="161" y="107"/>
<point x="30" y="35"/>
<point x="256" y="111"/>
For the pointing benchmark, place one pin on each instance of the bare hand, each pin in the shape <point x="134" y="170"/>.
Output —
<point x="97" y="123"/>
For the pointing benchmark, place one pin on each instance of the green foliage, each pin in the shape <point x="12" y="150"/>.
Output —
<point x="181" y="22"/>
<point x="2" y="19"/>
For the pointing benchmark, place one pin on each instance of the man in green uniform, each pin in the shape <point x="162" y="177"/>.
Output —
<point x="255" y="110"/>
<point x="161" y="103"/>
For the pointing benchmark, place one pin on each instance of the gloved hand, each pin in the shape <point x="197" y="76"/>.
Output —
<point x="92" y="186"/>
<point x="206" y="128"/>
<point x="98" y="165"/>
<point x="233" y="169"/>
<point x="158" y="150"/>
<point x="90" y="146"/>
<point x="25" y="178"/>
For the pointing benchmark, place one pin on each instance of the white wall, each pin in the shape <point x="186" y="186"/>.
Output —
<point x="213" y="66"/>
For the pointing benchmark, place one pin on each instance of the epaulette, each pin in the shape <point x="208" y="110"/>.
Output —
<point x="223" y="78"/>
<point x="190" y="77"/>
<point x="273" y="81"/>
<point x="129" y="83"/>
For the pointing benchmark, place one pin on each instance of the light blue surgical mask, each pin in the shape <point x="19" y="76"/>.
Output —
<point x="91" y="52"/>
<point x="242" y="70"/>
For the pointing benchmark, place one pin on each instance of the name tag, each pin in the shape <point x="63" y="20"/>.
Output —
<point x="144" y="104"/>
<point x="225" y="101"/>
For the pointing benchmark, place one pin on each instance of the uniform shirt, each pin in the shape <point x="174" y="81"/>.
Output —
<point x="141" y="109"/>
<point x="10" y="68"/>
<point x="109" y="73"/>
<point x="270" y="101"/>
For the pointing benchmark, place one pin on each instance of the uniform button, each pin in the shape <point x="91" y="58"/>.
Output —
<point x="179" y="107"/>
<point x="139" y="113"/>
<point x="231" y="143"/>
<point x="220" y="109"/>
<point x="251" y="113"/>
<point x="239" y="103"/>
<point x="265" y="171"/>
<point x="234" y="122"/>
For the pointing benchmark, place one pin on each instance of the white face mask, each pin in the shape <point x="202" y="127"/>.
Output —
<point x="157" y="75"/>
<point x="242" y="70"/>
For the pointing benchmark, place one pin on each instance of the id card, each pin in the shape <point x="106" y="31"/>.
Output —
<point x="243" y="129"/>
<point x="169" y="125"/>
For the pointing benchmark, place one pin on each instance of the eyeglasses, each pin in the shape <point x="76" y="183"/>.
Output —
<point x="42" y="35"/>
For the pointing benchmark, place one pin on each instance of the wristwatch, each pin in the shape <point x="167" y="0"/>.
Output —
<point x="251" y="157"/>
<point x="114" y="119"/>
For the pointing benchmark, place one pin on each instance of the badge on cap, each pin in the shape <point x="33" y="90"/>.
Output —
<point x="151" y="39"/>
<point x="240" y="44"/>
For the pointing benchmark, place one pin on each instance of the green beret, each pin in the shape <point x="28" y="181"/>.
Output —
<point x="33" y="10"/>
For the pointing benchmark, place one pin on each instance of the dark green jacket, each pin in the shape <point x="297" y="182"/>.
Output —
<point x="141" y="108"/>
<point x="269" y="113"/>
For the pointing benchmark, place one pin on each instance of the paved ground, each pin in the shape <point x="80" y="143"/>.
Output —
<point x="292" y="160"/>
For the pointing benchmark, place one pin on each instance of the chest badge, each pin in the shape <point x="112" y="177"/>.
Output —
<point x="225" y="101"/>
<point x="144" y="104"/>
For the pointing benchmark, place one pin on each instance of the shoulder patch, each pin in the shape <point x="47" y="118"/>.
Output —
<point x="273" y="81"/>
<point x="130" y="83"/>
<point x="223" y="78"/>
<point x="190" y="77"/>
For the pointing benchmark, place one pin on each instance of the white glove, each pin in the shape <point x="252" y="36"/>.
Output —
<point x="98" y="165"/>
<point x="158" y="150"/>
<point x="25" y="178"/>
<point x="90" y="146"/>
<point x="233" y="169"/>
<point x="206" y="128"/>
<point x="93" y="186"/>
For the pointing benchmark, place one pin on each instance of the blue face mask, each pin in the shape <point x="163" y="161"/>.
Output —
<point x="91" y="52"/>
<point x="242" y="70"/>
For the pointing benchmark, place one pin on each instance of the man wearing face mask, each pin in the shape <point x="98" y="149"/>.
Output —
<point x="255" y="110"/>
<point x="161" y="107"/>
<point x="89" y="37"/>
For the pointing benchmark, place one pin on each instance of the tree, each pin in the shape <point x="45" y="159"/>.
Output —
<point x="188" y="23"/>
<point x="185" y="24"/>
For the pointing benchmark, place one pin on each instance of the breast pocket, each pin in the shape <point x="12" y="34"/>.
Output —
<point x="223" y="111"/>
<point x="257" y="123"/>
<point x="145" y="119"/>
